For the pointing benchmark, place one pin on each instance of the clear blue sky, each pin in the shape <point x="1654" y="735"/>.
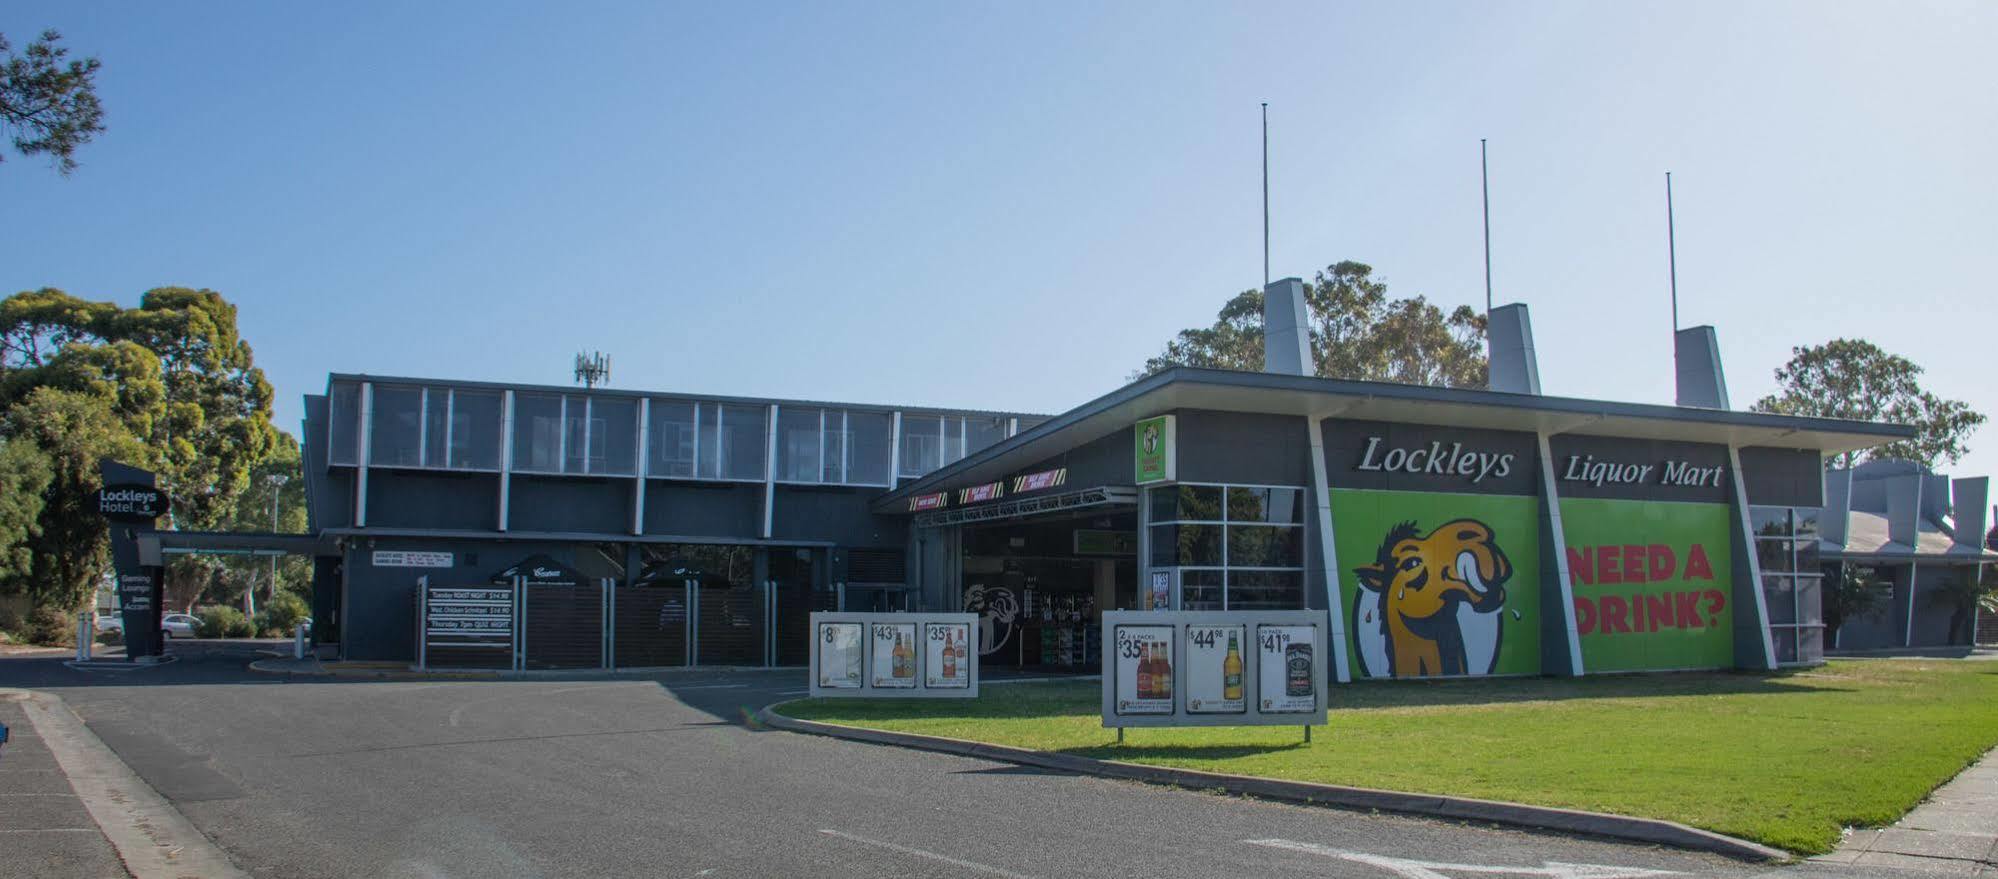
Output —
<point x="1011" y="206"/>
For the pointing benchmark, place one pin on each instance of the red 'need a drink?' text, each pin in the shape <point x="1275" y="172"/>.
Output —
<point x="1650" y="609"/>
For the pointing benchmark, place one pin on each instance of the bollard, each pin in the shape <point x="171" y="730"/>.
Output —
<point x="86" y="634"/>
<point x="298" y="641"/>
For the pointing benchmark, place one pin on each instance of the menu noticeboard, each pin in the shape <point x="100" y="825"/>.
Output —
<point x="1145" y="666"/>
<point x="894" y="652"/>
<point x="946" y="659"/>
<point x="839" y="655"/>
<point x="1287" y="669"/>
<point x="1215" y="671"/>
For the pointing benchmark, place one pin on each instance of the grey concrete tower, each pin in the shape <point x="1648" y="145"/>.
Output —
<point x="1286" y="331"/>
<point x="1697" y="364"/>
<point x="1514" y="368"/>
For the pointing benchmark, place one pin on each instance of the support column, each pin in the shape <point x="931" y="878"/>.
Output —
<point x="1560" y="637"/>
<point x="1753" y="648"/>
<point x="367" y="441"/>
<point x="1328" y="554"/>
<point x="506" y="457"/>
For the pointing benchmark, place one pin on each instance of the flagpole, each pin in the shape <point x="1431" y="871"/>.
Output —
<point x="1485" y="185"/>
<point x="1266" y="194"/>
<point x="1672" y="253"/>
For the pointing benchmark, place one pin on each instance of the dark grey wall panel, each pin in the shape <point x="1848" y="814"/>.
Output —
<point x="1418" y="457"/>
<point x="835" y="513"/>
<point x="329" y="493"/>
<point x="1784" y="477"/>
<point x="706" y="509"/>
<point x="381" y="602"/>
<point x="569" y="503"/>
<point x="1241" y="448"/>
<point x="435" y="499"/>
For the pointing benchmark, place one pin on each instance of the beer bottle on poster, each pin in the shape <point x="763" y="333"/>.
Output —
<point x="1297" y="670"/>
<point x="949" y="655"/>
<point x="1162" y="676"/>
<point x="1145" y="671"/>
<point x="902" y="667"/>
<point x="1231" y="670"/>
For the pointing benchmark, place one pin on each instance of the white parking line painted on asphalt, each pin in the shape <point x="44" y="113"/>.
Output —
<point x="55" y="830"/>
<point x="794" y="692"/>
<point x="1413" y="869"/>
<point x="956" y="862"/>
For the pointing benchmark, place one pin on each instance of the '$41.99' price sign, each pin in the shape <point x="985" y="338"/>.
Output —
<point x="1287" y="673"/>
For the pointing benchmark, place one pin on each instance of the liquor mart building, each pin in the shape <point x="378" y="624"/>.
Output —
<point x="1447" y="531"/>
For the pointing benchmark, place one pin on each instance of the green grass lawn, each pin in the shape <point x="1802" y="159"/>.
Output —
<point x="1784" y="759"/>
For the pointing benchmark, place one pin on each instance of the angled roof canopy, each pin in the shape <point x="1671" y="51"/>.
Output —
<point x="1307" y="396"/>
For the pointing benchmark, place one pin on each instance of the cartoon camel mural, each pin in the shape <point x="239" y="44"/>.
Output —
<point x="1431" y="602"/>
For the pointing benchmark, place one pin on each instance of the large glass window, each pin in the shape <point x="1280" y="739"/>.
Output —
<point x="922" y="444"/>
<point x="474" y="427"/>
<point x="1786" y="549"/>
<point x="834" y="469"/>
<point x="613" y="434"/>
<point x="396" y="437"/>
<point x="1236" y="547"/>
<point x="436" y="425"/>
<point x="983" y="431"/>
<point x="867" y="447"/>
<point x="537" y="433"/>
<point x="798" y="444"/>
<point x="671" y="436"/>
<point x="343" y="416"/>
<point x="953" y="440"/>
<point x="744" y="430"/>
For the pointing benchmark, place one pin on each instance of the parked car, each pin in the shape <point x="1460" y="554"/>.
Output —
<point x="110" y="622"/>
<point x="180" y="625"/>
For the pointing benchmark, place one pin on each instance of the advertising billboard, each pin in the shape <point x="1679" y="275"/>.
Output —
<point x="1439" y="584"/>
<point x="1652" y="583"/>
<point x="900" y="655"/>
<point x="1214" y="668"/>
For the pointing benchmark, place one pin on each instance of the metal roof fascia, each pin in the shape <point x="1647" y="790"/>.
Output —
<point x="1594" y="410"/>
<point x="564" y="536"/>
<point x="657" y="395"/>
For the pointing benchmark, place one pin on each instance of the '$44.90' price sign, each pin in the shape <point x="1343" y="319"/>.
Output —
<point x="1214" y="666"/>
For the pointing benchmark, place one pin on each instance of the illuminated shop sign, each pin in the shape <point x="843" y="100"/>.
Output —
<point x="990" y="491"/>
<point x="935" y="501"/>
<point x="1038" y="481"/>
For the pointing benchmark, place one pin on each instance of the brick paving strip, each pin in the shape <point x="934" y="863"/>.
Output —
<point x="1952" y="833"/>
<point x="152" y="838"/>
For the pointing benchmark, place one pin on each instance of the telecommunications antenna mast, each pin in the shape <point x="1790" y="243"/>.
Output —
<point x="592" y="369"/>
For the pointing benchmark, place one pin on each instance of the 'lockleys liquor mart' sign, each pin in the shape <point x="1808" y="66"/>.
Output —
<point x="1156" y="452"/>
<point x="131" y="503"/>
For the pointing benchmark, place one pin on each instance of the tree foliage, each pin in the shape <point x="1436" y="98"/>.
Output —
<point x="1855" y="379"/>
<point x="48" y="104"/>
<point x="1358" y="331"/>
<point x="168" y="385"/>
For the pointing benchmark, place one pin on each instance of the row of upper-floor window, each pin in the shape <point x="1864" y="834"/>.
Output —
<point x="451" y="428"/>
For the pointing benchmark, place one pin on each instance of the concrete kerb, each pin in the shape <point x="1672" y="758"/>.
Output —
<point x="1621" y="827"/>
<point x="312" y="667"/>
<point x="151" y="837"/>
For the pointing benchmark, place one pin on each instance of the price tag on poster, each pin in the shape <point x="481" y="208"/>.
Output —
<point x="839" y="655"/>
<point x="894" y="652"/>
<point x="946" y="662"/>
<point x="1215" y="679"/>
<point x="1287" y="669"/>
<point x="1145" y="669"/>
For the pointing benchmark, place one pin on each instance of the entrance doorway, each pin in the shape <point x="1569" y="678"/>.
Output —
<point x="1040" y="586"/>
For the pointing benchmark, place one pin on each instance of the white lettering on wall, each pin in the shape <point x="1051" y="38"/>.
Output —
<point x="1436" y="460"/>
<point x="1585" y="468"/>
